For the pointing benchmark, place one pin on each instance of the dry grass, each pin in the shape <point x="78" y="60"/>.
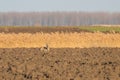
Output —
<point x="59" y="40"/>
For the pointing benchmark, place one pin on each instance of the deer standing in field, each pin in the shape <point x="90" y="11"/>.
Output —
<point x="45" y="49"/>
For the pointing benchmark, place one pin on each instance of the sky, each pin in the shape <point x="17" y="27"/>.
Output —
<point x="59" y="5"/>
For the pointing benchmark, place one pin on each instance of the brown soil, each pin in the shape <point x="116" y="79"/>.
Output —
<point x="60" y="64"/>
<point x="39" y="29"/>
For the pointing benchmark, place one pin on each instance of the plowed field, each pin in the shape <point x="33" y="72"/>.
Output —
<point x="60" y="64"/>
<point x="39" y="29"/>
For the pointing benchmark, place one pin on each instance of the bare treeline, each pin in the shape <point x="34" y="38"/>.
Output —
<point x="58" y="18"/>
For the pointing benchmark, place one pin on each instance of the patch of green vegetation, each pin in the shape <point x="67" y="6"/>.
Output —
<point x="100" y="29"/>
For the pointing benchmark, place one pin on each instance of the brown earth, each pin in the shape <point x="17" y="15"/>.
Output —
<point x="60" y="64"/>
<point x="39" y="29"/>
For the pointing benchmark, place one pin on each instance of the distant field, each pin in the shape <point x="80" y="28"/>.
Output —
<point x="93" y="29"/>
<point x="103" y="29"/>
